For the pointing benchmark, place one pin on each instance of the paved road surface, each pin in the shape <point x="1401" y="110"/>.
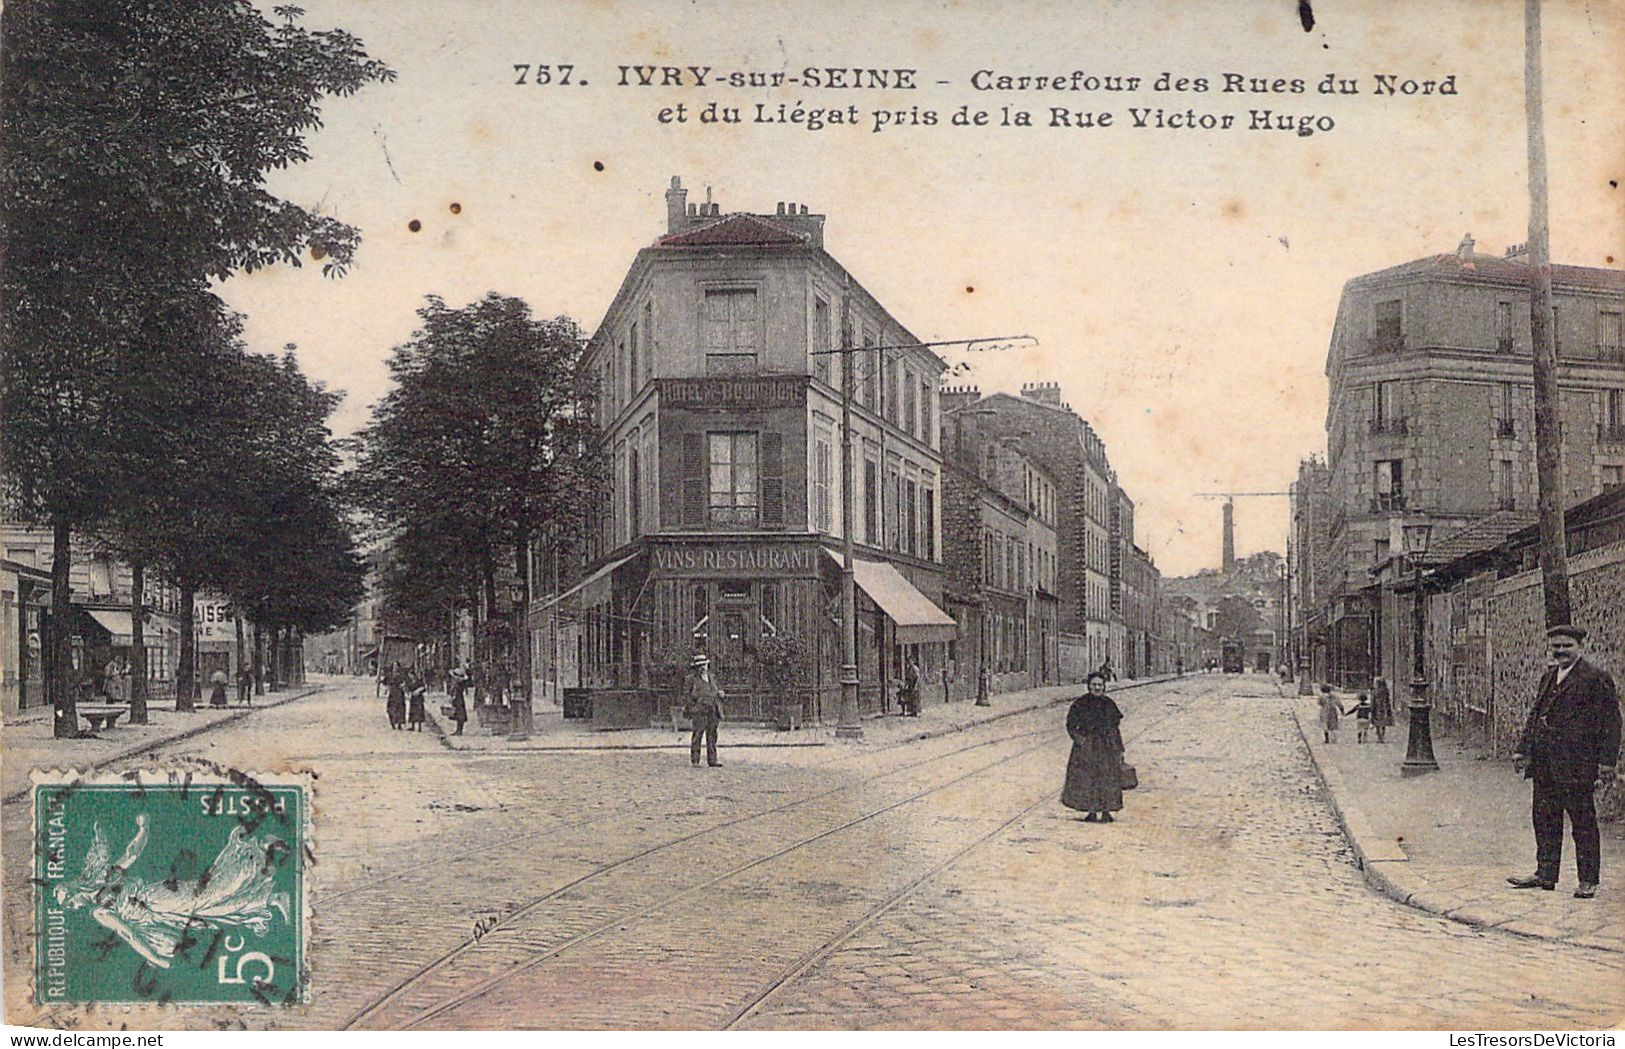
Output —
<point x="935" y="884"/>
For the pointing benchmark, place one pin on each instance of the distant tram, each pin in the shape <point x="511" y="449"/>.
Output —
<point x="1233" y="655"/>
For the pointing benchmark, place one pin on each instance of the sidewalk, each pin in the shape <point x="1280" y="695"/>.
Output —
<point x="1446" y="841"/>
<point x="29" y="744"/>
<point x="936" y="719"/>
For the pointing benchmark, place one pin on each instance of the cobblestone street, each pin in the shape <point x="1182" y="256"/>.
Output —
<point x="932" y="884"/>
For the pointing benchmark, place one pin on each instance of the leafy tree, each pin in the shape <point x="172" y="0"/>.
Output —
<point x="138" y="134"/>
<point x="1235" y="617"/>
<point x="481" y="445"/>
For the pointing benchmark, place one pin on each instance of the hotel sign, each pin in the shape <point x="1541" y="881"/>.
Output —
<point x="733" y="393"/>
<point x="701" y="560"/>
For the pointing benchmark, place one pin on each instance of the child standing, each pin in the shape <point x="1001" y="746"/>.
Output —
<point x="1362" y="716"/>
<point x="1330" y="712"/>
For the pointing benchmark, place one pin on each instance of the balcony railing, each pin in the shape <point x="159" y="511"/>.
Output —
<point x="1505" y="428"/>
<point x="1393" y="425"/>
<point x="1611" y="433"/>
<point x="1384" y="503"/>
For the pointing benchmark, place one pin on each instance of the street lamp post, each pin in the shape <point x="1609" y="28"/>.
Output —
<point x="1419" y="747"/>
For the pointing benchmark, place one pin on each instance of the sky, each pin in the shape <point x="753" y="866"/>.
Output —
<point x="1181" y="283"/>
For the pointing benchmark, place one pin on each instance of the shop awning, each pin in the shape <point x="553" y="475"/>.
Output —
<point x="594" y="588"/>
<point x="114" y="622"/>
<point x="916" y="617"/>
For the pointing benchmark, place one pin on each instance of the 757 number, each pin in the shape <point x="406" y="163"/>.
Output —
<point x="544" y="74"/>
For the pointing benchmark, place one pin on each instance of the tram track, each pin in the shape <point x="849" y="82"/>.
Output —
<point x="437" y="989"/>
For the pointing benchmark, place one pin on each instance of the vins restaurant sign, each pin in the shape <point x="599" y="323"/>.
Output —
<point x="734" y="393"/>
<point x="765" y="559"/>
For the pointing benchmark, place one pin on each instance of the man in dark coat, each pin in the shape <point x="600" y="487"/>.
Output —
<point x="1569" y="744"/>
<point x="703" y="705"/>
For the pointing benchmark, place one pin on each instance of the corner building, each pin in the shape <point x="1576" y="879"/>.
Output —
<point x="720" y="412"/>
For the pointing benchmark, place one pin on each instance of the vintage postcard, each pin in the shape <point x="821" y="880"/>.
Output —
<point x="656" y="515"/>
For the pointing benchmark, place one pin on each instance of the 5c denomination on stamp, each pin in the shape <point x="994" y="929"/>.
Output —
<point x="170" y="887"/>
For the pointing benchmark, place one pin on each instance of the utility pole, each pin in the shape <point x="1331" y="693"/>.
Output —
<point x="848" y="726"/>
<point x="1554" y="567"/>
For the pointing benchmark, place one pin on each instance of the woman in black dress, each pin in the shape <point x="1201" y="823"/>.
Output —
<point x="416" y="689"/>
<point x="395" y="705"/>
<point x="1094" y="771"/>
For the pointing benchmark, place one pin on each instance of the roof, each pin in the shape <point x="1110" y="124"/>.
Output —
<point x="1482" y="534"/>
<point x="1495" y="268"/>
<point x="736" y="230"/>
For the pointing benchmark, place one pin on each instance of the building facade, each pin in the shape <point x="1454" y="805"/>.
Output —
<point x="720" y="407"/>
<point x="1431" y="416"/>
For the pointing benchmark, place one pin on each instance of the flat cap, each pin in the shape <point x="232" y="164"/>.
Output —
<point x="1565" y="630"/>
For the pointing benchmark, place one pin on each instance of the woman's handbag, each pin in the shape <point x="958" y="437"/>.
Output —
<point x="1127" y="778"/>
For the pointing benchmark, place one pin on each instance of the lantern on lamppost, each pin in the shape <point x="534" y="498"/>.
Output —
<point x="1419" y="747"/>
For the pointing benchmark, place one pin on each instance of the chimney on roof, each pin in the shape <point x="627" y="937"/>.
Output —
<point x="1042" y="392"/>
<point x="1228" y="554"/>
<point x="676" y="205"/>
<point x="1464" y="250"/>
<point x="1517" y="253"/>
<point x="953" y="397"/>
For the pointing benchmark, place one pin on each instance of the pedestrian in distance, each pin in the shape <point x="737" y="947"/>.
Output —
<point x="217" y="689"/>
<point x="1382" y="708"/>
<point x="1331" y="712"/>
<point x="395" y="704"/>
<point x="245" y="687"/>
<point x="703" y="705"/>
<point x="1095" y="770"/>
<point x="911" y="689"/>
<point x="1362" y="717"/>
<point x="1569" y="746"/>
<point x="457" y="684"/>
<point x="416" y="690"/>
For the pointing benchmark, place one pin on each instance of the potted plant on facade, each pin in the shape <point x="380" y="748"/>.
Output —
<point x="666" y="681"/>
<point x="783" y="659"/>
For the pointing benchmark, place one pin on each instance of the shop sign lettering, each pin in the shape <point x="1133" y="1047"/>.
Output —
<point x="755" y="393"/>
<point x="734" y="559"/>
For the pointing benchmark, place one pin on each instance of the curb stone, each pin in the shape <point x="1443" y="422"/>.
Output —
<point x="911" y="738"/>
<point x="1390" y="875"/>
<point x="150" y="745"/>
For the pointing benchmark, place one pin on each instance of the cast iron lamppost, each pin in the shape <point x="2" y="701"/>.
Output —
<point x="848" y="725"/>
<point x="1419" y="747"/>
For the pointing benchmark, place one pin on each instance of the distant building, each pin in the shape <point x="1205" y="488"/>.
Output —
<point x="1308" y="564"/>
<point x="1431" y="416"/>
<point x="1000" y="550"/>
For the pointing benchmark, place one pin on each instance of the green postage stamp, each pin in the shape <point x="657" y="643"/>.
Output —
<point x="170" y="887"/>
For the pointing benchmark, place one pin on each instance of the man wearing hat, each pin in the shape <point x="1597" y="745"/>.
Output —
<point x="1569" y="745"/>
<point x="704" y="709"/>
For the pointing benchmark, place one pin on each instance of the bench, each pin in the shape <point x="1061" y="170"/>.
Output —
<point x="101" y="715"/>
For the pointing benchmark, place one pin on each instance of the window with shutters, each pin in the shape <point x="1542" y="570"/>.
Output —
<point x="871" y="501"/>
<point x="927" y="421"/>
<point x="634" y="492"/>
<point x="734" y="496"/>
<point x="633" y="359"/>
<point x="821" y="344"/>
<point x="693" y="485"/>
<point x="911" y="420"/>
<point x="911" y="521"/>
<point x="871" y="372"/>
<point x="891" y="391"/>
<point x="651" y="481"/>
<point x="1609" y="344"/>
<point x="1503" y="327"/>
<point x="821" y="485"/>
<point x="649" y="339"/>
<point x="772" y="480"/>
<point x="928" y="525"/>
<point x="731" y="331"/>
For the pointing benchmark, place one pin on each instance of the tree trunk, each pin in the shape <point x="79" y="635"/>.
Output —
<point x="186" y="663"/>
<point x="273" y="672"/>
<point x="259" y="660"/>
<point x="526" y="718"/>
<point x="61" y="681"/>
<point x="242" y="654"/>
<point x="138" y="644"/>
